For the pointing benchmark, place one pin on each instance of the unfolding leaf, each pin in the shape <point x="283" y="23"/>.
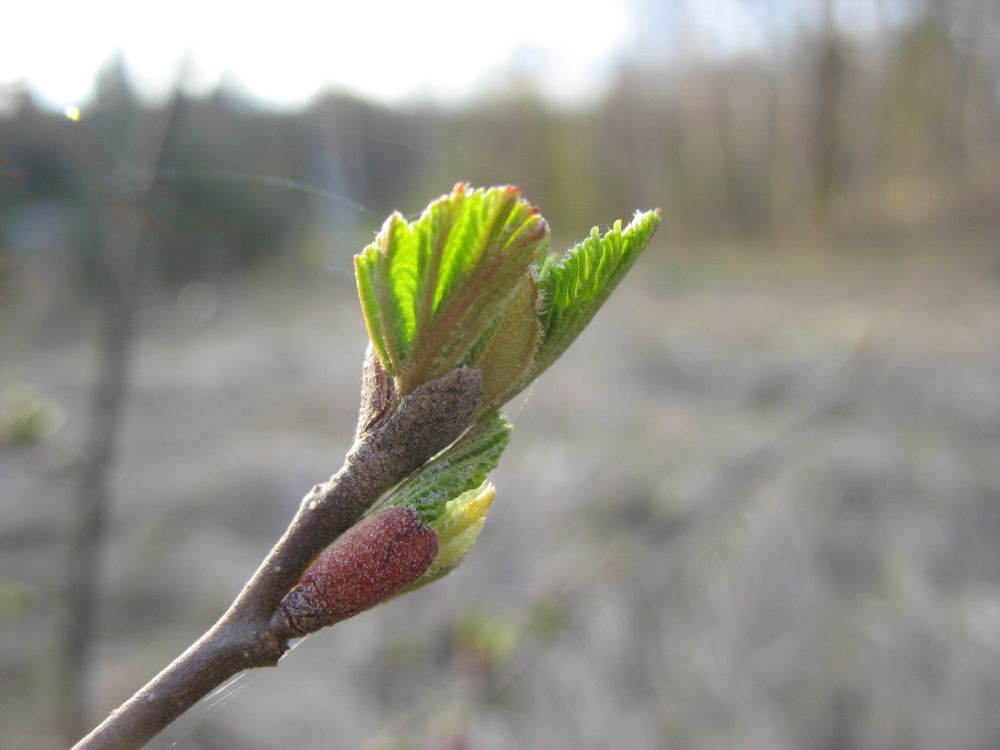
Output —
<point x="457" y="529"/>
<point x="510" y="351"/>
<point x="430" y="290"/>
<point x="575" y="286"/>
<point x="458" y="469"/>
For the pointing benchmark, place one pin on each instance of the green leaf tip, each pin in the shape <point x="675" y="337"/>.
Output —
<point x="457" y="529"/>
<point x="574" y="286"/>
<point x="430" y="290"/>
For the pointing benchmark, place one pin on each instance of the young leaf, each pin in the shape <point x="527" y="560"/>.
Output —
<point x="430" y="290"/>
<point x="460" y="468"/>
<point x="457" y="530"/>
<point x="510" y="352"/>
<point x="575" y="286"/>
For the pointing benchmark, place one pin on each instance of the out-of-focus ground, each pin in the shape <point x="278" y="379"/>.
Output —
<point x="756" y="505"/>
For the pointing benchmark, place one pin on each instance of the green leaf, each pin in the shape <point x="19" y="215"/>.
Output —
<point x="510" y="352"/>
<point x="575" y="286"/>
<point x="457" y="529"/>
<point x="430" y="290"/>
<point x="460" y="468"/>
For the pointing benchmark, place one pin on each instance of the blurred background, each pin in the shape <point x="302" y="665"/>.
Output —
<point x="757" y="504"/>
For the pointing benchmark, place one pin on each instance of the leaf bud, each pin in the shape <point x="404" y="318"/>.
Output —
<point x="368" y="564"/>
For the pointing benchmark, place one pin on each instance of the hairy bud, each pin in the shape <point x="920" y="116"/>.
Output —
<point x="370" y="563"/>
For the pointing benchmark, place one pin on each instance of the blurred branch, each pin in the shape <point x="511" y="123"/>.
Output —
<point x="122" y="263"/>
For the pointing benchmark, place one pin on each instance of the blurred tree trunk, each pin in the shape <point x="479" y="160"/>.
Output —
<point x="828" y="83"/>
<point x="730" y="168"/>
<point x="679" y="172"/>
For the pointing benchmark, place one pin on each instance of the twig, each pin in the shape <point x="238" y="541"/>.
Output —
<point x="387" y="450"/>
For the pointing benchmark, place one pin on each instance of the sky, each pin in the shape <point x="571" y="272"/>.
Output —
<point x="284" y="53"/>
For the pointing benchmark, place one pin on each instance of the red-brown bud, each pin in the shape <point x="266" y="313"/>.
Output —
<point x="368" y="564"/>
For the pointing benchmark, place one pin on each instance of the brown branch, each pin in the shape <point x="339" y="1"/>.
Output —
<point x="423" y="423"/>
